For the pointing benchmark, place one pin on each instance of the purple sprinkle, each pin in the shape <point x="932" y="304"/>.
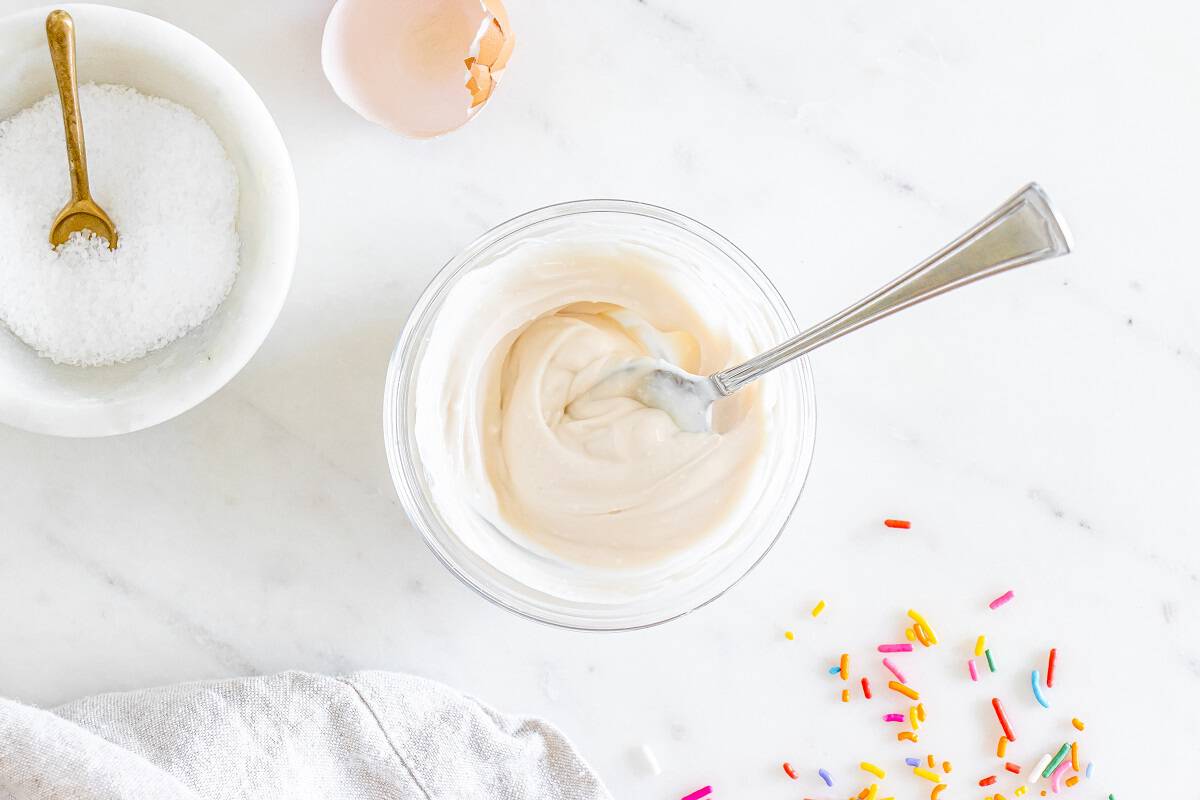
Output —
<point x="824" y="773"/>
<point x="913" y="762"/>
<point x="895" y="648"/>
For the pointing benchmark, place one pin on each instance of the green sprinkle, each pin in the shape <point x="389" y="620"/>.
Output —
<point x="1063" y="752"/>
<point x="991" y="664"/>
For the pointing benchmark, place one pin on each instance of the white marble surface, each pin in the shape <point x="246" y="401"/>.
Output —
<point x="1041" y="429"/>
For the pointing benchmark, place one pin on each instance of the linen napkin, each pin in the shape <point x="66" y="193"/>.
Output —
<point x="362" y="736"/>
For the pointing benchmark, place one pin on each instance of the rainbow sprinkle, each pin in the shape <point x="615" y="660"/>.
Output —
<point x="1037" y="691"/>
<point x="892" y="669"/>
<point x="1058" y="759"/>
<point x="1001" y="600"/>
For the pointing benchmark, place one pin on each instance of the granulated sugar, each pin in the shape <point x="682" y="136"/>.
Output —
<point x="165" y="180"/>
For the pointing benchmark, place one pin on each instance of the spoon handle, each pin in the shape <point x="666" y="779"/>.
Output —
<point x="60" y="34"/>
<point x="1024" y="230"/>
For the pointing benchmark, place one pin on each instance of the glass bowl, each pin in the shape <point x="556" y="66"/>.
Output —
<point x="506" y="571"/>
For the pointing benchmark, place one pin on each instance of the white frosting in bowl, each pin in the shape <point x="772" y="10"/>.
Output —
<point x="618" y="486"/>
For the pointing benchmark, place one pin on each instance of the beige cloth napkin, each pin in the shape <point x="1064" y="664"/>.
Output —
<point x="365" y="736"/>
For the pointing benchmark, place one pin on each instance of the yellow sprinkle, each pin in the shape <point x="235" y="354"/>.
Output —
<point x="1077" y="723"/>
<point x="921" y="772"/>
<point x="871" y="791"/>
<point x="1020" y="792"/>
<point x="818" y="608"/>
<point x="921" y="711"/>
<point x="790" y="636"/>
<point x="929" y="634"/>
<point x="908" y="634"/>
<point x="904" y="690"/>
<point x="1001" y="747"/>
<point x="874" y="770"/>
<point x="980" y="645"/>
<point x="912" y="718"/>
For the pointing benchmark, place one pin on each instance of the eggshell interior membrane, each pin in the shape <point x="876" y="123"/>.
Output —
<point x="404" y="63"/>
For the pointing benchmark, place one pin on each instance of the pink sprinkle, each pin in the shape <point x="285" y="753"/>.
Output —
<point x="896" y="648"/>
<point x="1056" y="778"/>
<point x="971" y="667"/>
<point x="892" y="668"/>
<point x="696" y="795"/>
<point x="894" y="718"/>
<point x="1001" y="600"/>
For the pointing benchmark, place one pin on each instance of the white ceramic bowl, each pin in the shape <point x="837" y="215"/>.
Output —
<point x="124" y="47"/>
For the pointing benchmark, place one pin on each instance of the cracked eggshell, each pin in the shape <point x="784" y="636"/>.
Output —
<point x="418" y="67"/>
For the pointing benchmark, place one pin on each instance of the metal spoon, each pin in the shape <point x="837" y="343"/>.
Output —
<point x="81" y="213"/>
<point x="1024" y="230"/>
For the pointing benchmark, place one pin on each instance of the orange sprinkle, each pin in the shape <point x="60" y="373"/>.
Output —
<point x="921" y="711"/>
<point x="929" y="759"/>
<point x="946" y="767"/>
<point x="936" y="791"/>
<point x="1002" y="747"/>
<point x="907" y="736"/>
<point x="1077" y="723"/>
<point x="845" y="695"/>
<point x="1075" y="756"/>
<point x="863" y="794"/>
<point x="897" y="523"/>
<point x="844" y="666"/>
<point x="904" y="690"/>
<point x="988" y="781"/>
<point x="1015" y="769"/>
<point x="919" y="632"/>
<point x="1071" y="781"/>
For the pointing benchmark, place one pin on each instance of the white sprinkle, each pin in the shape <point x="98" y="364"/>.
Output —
<point x="1037" y="771"/>
<point x="165" y="180"/>
<point x="651" y="761"/>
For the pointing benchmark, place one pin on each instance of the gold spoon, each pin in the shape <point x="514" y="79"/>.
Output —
<point x="81" y="213"/>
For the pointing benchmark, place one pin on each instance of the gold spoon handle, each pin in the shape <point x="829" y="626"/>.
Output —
<point x="60" y="33"/>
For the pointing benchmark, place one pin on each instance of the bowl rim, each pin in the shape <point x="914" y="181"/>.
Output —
<point x="156" y="405"/>
<point x="400" y="462"/>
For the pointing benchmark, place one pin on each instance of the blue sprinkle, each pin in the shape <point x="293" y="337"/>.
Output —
<point x="1037" y="691"/>
<point x="913" y="762"/>
<point x="1088" y="772"/>
<point x="834" y="670"/>
<point x="824" y="773"/>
